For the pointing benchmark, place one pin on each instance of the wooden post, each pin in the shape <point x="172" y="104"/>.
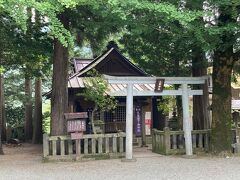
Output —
<point x="54" y="147"/>
<point x="200" y="140"/>
<point x="106" y="144"/>
<point x="174" y="141"/>
<point x="194" y="141"/>
<point x="167" y="142"/>
<point x="129" y="122"/>
<point x="85" y="146"/>
<point x="181" y="144"/>
<point x="153" y="140"/>
<point x="114" y="144"/>
<point x="236" y="120"/>
<point x="100" y="144"/>
<point x="62" y="144"/>
<point x="45" y="145"/>
<point x="78" y="147"/>
<point x="93" y="145"/>
<point x="206" y="141"/>
<point x="121" y="143"/>
<point x="70" y="147"/>
<point x="186" y="123"/>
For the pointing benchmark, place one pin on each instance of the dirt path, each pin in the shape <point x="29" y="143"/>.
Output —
<point x="25" y="163"/>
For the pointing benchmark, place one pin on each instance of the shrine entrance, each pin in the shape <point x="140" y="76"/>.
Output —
<point x="157" y="89"/>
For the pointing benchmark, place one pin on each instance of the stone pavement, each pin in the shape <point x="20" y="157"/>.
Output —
<point x="25" y="163"/>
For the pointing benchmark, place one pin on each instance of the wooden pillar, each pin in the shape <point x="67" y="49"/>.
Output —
<point x="144" y="143"/>
<point x="236" y="118"/>
<point x="129" y="122"/>
<point x="186" y="122"/>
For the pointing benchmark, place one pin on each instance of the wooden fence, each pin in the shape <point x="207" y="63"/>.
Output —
<point x="172" y="142"/>
<point x="91" y="146"/>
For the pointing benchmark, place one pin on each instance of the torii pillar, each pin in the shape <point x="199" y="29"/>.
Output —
<point x="186" y="120"/>
<point x="129" y="122"/>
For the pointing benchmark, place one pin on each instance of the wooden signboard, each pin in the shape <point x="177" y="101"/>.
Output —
<point x="76" y="125"/>
<point x="80" y="115"/>
<point x="76" y="135"/>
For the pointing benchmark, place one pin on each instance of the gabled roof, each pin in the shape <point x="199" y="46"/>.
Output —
<point x="105" y="59"/>
<point x="112" y="62"/>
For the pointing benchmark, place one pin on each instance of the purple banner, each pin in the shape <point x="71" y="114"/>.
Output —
<point x="138" y="121"/>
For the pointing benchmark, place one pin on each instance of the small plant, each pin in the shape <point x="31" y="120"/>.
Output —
<point x="96" y="88"/>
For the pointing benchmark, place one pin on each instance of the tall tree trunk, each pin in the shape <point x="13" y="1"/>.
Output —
<point x="37" y="120"/>
<point x="223" y="63"/>
<point x="28" y="126"/>
<point x="2" y="110"/>
<point x="178" y="98"/>
<point x="221" y="102"/>
<point x="200" y="103"/>
<point x="1" y="148"/>
<point x="59" y="96"/>
<point x="1" y="114"/>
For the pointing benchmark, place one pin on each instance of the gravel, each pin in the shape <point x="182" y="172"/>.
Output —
<point x="25" y="163"/>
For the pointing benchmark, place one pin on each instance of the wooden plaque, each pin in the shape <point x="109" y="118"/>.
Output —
<point x="80" y="115"/>
<point x="159" y="85"/>
<point x="76" y="135"/>
<point x="78" y="125"/>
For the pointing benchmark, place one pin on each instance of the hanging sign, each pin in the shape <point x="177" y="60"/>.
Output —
<point x="138" y="121"/>
<point x="148" y="123"/>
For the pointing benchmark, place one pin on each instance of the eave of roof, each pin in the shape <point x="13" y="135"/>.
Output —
<point x="97" y="60"/>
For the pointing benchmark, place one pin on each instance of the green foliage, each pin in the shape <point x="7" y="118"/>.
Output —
<point x="15" y="116"/>
<point x="166" y="104"/>
<point x="46" y="116"/>
<point x="14" y="88"/>
<point x="96" y="91"/>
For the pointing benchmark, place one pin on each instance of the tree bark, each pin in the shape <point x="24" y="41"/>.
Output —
<point x="59" y="96"/>
<point x="1" y="148"/>
<point x="2" y="110"/>
<point x="221" y="103"/>
<point x="1" y="113"/>
<point x="28" y="125"/>
<point x="200" y="103"/>
<point x="223" y="63"/>
<point x="178" y="98"/>
<point x="37" y="120"/>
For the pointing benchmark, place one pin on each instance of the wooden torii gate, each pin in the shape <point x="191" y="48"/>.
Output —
<point x="183" y="91"/>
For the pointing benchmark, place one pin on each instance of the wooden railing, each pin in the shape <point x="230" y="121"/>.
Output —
<point x="172" y="142"/>
<point x="91" y="146"/>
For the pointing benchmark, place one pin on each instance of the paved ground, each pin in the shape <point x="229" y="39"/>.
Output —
<point x="25" y="163"/>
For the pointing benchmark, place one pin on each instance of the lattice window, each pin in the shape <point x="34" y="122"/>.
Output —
<point x="118" y="115"/>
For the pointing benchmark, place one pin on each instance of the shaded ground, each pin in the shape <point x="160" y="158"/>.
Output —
<point x="25" y="163"/>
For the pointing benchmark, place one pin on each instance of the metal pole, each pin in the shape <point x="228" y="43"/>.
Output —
<point x="186" y="122"/>
<point x="129" y="121"/>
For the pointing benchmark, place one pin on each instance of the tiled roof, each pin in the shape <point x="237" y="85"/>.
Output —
<point x="79" y="64"/>
<point x="78" y="82"/>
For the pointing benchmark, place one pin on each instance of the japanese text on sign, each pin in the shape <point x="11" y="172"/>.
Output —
<point x="76" y="125"/>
